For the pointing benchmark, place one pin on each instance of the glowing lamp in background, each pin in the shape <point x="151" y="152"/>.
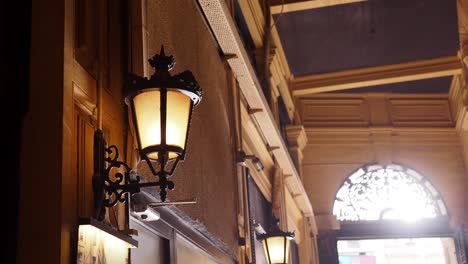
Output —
<point x="276" y="245"/>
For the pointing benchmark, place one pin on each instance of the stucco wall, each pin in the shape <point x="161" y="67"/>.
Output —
<point x="325" y="167"/>
<point x="208" y="173"/>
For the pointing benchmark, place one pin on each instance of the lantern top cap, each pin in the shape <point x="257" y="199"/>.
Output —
<point x="184" y="82"/>
<point x="275" y="231"/>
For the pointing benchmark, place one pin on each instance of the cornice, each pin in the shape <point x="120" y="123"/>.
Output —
<point x="394" y="135"/>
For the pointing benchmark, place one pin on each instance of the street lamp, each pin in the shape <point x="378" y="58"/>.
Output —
<point x="276" y="244"/>
<point x="161" y="108"/>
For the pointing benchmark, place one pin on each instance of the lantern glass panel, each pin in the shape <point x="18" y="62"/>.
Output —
<point x="276" y="249"/>
<point x="147" y="107"/>
<point x="178" y="114"/>
<point x="148" y="119"/>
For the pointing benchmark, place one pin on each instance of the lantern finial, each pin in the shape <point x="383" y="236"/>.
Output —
<point x="161" y="63"/>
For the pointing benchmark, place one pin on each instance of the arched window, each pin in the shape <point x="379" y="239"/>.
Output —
<point x="376" y="192"/>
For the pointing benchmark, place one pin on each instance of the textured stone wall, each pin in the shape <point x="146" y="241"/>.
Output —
<point x="208" y="173"/>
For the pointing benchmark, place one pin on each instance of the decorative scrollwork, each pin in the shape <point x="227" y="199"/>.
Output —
<point x="375" y="192"/>
<point x="113" y="180"/>
<point x="116" y="192"/>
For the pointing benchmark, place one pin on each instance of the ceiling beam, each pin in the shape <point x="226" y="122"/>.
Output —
<point x="284" y="6"/>
<point x="349" y="79"/>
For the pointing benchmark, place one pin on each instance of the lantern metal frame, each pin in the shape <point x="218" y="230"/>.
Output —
<point x="111" y="188"/>
<point x="275" y="231"/>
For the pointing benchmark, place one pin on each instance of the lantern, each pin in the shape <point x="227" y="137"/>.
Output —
<point x="161" y="109"/>
<point x="276" y="244"/>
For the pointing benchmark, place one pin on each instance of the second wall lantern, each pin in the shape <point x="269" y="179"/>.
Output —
<point x="276" y="244"/>
<point x="161" y="108"/>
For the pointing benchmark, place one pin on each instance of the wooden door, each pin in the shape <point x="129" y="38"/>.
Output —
<point x="98" y="63"/>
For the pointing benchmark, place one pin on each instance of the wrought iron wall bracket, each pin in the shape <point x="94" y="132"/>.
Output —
<point x="112" y="183"/>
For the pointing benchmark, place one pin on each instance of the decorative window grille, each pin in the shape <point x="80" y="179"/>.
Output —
<point x="376" y="192"/>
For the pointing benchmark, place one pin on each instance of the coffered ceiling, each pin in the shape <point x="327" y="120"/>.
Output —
<point x="393" y="46"/>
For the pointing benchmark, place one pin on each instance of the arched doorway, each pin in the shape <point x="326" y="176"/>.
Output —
<point x="391" y="214"/>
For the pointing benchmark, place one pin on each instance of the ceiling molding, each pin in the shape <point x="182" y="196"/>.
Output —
<point x="403" y="72"/>
<point x="284" y="6"/>
<point x="375" y="109"/>
<point x="219" y="18"/>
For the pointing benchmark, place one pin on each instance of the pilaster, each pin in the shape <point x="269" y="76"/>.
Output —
<point x="326" y="240"/>
<point x="297" y="139"/>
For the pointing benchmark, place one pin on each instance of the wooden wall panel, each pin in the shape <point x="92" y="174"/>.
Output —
<point x="334" y="112"/>
<point x="84" y="135"/>
<point x="84" y="89"/>
<point x="420" y="112"/>
<point x="376" y="110"/>
<point x="98" y="63"/>
<point x="86" y="34"/>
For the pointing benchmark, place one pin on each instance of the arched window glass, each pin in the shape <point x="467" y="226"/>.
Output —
<point x="376" y="192"/>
